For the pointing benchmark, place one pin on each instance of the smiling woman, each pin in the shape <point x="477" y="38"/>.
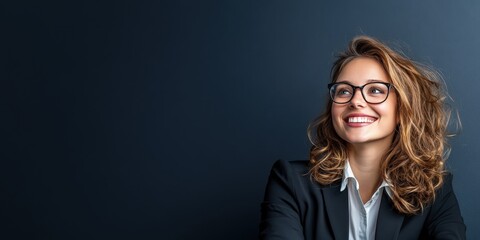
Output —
<point x="376" y="166"/>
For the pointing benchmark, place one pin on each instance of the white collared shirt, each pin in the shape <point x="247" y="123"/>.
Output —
<point x="362" y="217"/>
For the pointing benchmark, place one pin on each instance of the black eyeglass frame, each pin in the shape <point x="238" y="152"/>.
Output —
<point x="330" y="85"/>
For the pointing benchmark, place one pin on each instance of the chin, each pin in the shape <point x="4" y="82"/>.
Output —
<point x="357" y="141"/>
<point x="364" y="140"/>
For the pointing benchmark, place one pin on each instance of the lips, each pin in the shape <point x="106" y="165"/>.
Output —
<point x="359" y="119"/>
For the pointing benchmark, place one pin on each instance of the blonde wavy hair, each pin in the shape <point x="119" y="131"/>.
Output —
<point x="414" y="164"/>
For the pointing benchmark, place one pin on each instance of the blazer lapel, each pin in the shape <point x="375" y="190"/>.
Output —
<point x="336" y="203"/>
<point x="389" y="222"/>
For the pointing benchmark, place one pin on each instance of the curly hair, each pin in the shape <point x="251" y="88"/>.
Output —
<point x="414" y="163"/>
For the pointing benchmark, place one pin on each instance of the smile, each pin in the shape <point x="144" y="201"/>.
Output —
<point x="360" y="120"/>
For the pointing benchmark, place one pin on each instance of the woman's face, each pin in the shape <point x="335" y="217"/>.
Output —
<point x="357" y="121"/>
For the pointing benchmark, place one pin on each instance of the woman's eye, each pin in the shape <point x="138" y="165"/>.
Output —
<point x="376" y="91"/>
<point x="343" y="92"/>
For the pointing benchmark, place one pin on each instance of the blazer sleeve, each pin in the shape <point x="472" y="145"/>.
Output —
<point x="445" y="220"/>
<point x="279" y="210"/>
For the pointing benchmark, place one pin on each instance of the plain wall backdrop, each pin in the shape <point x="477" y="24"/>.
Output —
<point x="161" y="119"/>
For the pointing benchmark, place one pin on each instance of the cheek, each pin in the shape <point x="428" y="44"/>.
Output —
<point x="336" y="117"/>
<point x="394" y="107"/>
<point x="336" y="111"/>
<point x="390" y="114"/>
<point x="394" y="112"/>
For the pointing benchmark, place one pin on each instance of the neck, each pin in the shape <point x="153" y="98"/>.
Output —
<point x="365" y="161"/>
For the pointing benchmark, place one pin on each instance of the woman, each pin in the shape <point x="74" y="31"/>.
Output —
<point x="376" y="168"/>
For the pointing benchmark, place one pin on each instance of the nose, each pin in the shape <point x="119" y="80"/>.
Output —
<point x="357" y="99"/>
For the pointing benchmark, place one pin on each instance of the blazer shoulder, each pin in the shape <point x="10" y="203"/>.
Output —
<point x="291" y="167"/>
<point x="297" y="172"/>
<point x="445" y="220"/>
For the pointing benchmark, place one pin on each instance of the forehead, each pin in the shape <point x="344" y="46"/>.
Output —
<point x="363" y="70"/>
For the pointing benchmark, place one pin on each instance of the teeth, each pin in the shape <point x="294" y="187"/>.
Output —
<point x="360" y="120"/>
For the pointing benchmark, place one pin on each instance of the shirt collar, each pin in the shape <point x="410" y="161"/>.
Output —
<point x="348" y="174"/>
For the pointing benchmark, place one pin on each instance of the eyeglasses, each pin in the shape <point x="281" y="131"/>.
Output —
<point x="373" y="92"/>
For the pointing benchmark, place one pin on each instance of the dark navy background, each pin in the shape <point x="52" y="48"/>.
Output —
<point x="161" y="119"/>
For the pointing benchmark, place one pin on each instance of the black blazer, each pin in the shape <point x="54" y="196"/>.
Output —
<point x="296" y="207"/>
